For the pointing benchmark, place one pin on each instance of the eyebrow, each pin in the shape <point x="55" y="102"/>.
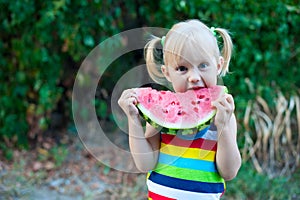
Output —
<point x="183" y="60"/>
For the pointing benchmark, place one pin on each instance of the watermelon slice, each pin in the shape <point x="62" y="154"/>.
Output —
<point x="186" y="112"/>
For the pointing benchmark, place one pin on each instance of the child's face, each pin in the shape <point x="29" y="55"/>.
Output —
<point x="196" y="68"/>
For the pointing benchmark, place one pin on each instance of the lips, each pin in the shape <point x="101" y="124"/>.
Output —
<point x="197" y="87"/>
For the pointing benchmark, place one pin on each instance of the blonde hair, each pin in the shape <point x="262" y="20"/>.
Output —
<point x="153" y="53"/>
<point x="170" y="52"/>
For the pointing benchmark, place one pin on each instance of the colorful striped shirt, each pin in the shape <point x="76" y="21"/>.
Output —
<point x="186" y="168"/>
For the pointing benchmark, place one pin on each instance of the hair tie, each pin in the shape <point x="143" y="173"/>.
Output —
<point x="213" y="30"/>
<point x="162" y="41"/>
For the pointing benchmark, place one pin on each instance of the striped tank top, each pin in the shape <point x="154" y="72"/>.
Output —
<point x="186" y="168"/>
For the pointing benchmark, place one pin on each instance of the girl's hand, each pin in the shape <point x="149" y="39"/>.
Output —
<point x="228" y="158"/>
<point x="225" y="107"/>
<point x="127" y="102"/>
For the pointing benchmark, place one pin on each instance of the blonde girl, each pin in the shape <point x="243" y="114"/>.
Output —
<point x="187" y="58"/>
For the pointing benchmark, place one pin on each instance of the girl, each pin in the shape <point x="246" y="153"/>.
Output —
<point x="190" y="59"/>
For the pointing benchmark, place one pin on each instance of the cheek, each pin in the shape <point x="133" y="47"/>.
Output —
<point x="210" y="80"/>
<point x="179" y="85"/>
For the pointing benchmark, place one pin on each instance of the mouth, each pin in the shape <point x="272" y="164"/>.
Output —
<point x="197" y="87"/>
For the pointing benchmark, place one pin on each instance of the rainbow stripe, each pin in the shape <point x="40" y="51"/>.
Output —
<point x="186" y="168"/>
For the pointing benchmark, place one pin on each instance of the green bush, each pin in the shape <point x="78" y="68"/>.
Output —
<point x="44" y="42"/>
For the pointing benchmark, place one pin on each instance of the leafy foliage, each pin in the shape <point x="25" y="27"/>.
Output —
<point x="43" y="43"/>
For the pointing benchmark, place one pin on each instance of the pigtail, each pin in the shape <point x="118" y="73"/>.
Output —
<point x="153" y="53"/>
<point x="226" y="50"/>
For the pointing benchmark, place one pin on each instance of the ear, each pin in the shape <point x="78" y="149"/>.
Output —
<point x="165" y="72"/>
<point x="220" y="65"/>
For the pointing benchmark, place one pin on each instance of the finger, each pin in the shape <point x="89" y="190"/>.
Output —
<point x="132" y="93"/>
<point x="133" y="100"/>
<point x="220" y="101"/>
<point x="133" y="108"/>
<point x="218" y="105"/>
<point x="225" y="100"/>
<point x="127" y="94"/>
<point x="229" y="98"/>
<point x="223" y="105"/>
<point x="230" y="101"/>
<point x="127" y="100"/>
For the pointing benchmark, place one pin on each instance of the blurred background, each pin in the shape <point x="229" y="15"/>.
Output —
<point x="43" y="44"/>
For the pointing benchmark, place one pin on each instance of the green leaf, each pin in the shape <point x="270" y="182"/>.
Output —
<point x="89" y="41"/>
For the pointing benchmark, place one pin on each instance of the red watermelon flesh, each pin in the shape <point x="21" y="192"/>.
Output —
<point x="170" y="110"/>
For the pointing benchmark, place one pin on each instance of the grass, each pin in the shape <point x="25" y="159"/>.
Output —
<point x="251" y="185"/>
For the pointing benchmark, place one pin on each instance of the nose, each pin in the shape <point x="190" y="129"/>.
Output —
<point x="194" y="76"/>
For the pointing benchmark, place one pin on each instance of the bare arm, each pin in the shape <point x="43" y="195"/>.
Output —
<point x="143" y="145"/>
<point x="228" y="157"/>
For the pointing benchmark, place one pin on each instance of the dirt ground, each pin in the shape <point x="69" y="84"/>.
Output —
<point x="38" y="174"/>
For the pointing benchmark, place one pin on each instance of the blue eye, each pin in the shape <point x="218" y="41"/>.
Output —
<point x="203" y="65"/>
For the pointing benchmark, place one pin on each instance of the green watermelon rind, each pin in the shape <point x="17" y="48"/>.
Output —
<point x="175" y="131"/>
<point x="183" y="131"/>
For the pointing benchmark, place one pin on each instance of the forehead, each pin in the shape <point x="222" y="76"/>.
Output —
<point x="190" y="44"/>
<point x="194" y="51"/>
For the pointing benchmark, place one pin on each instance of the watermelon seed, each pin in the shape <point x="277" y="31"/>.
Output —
<point x="201" y="96"/>
<point x="207" y="99"/>
<point x="198" y="102"/>
<point x="149" y="98"/>
<point x="180" y="113"/>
